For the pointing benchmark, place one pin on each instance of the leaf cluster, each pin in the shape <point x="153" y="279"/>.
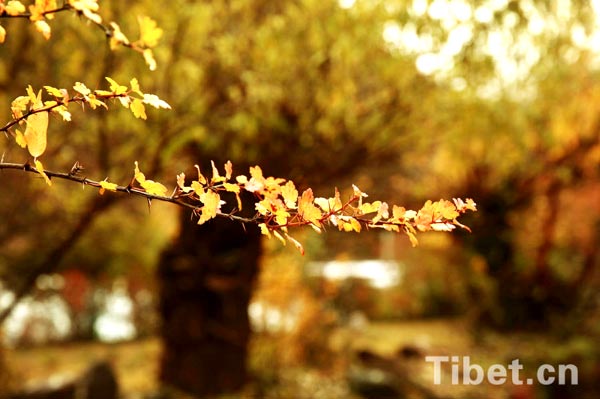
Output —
<point x="42" y="11"/>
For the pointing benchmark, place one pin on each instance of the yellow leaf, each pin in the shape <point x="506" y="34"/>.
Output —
<point x="228" y="170"/>
<point x="256" y="172"/>
<point x="289" y="194"/>
<point x="412" y="237"/>
<point x="14" y="8"/>
<point x="181" y="183"/>
<point x="154" y="188"/>
<point x="355" y="225"/>
<point x="323" y="203"/>
<point x="398" y="212"/>
<point x="382" y="212"/>
<point x="43" y="27"/>
<point x="281" y="216"/>
<point x="150" y="33"/>
<point x="307" y="210"/>
<point x="115" y="87"/>
<point x="201" y="178"/>
<point x="232" y="188"/>
<point x="53" y="91"/>
<point x="279" y="237"/>
<point x="370" y="207"/>
<point x="135" y="86"/>
<point x="138" y="109"/>
<point x="263" y="207"/>
<point x="212" y="204"/>
<point x="40" y="169"/>
<point x="198" y="188"/>
<point x="447" y="210"/>
<point x="87" y="8"/>
<point x="94" y="102"/>
<point x="19" y="105"/>
<point x="81" y="5"/>
<point x="20" y="139"/>
<point x="150" y="186"/>
<point x="264" y="230"/>
<point x="104" y="185"/>
<point x="35" y="133"/>
<point x="62" y="111"/>
<point x="215" y="173"/>
<point x="81" y="89"/>
<point x="2" y="34"/>
<point x="33" y="97"/>
<point x="139" y="176"/>
<point x="117" y="36"/>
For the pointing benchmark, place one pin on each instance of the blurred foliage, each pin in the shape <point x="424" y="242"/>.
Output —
<point x="324" y="94"/>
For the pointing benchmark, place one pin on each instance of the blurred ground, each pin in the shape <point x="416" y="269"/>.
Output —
<point x="136" y="363"/>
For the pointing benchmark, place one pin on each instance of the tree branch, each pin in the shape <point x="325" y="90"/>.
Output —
<point x="74" y="176"/>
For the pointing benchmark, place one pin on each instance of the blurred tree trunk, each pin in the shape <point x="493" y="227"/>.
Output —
<point x="206" y="281"/>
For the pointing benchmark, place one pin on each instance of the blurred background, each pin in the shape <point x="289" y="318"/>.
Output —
<point x="495" y="100"/>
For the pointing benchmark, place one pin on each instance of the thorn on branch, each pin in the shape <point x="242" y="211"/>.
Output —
<point x="76" y="169"/>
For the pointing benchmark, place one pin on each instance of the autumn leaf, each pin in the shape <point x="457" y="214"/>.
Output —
<point x="135" y="87"/>
<point x="14" y="8"/>
<point x="40" y="169"/>
<point x="138" y="175"/>
<point x="307" y="210"/>
<point x="117" y="38"/>
<point x="138" y="109"/>
<point x="20" y="138"/>
<point x="382" y="212"/>
<point x="150" y="186"/>
<point x="115" y="87"/>
<point x="181" y="183"/>
<point x="35" y="133"/>
<point x="154" y="188"/>
<point x="53" y="91"/>
<point x="212" y="204"/>
<point x="150" y="33"/>
<point x="201" y="178"/>
<point x="105" y="185"/>
<point x="62" y="111"/>
<point x="149" y="58"/>
<point x="2" y="34"/>
<point x="155" y="101"/>
<point x="87" y="8"/>
<point x="216" y="177"/>
<point x="296" y="243"/>
<point x="279" y="237"/>
<point x="19" y="105"/>
<point x="442" y="226"/>
<point x="447" y="210"/>
<point x="264" y="230"/>
<point x="35" y="98"/>
<point x="43" y="27"/>
<point x="289" y="194"/>
<point x="228" y="170"/>
<point x="81" y="89"/>
<point x="370" y="207"/>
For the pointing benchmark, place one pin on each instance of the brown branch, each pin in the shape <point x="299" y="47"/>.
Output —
<point x="65" y="7"/>
<point x="107" y="30"/>
<point x="26" y="167"/>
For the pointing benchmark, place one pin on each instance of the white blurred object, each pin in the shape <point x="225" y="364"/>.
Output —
<point x="115" y="322"/>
